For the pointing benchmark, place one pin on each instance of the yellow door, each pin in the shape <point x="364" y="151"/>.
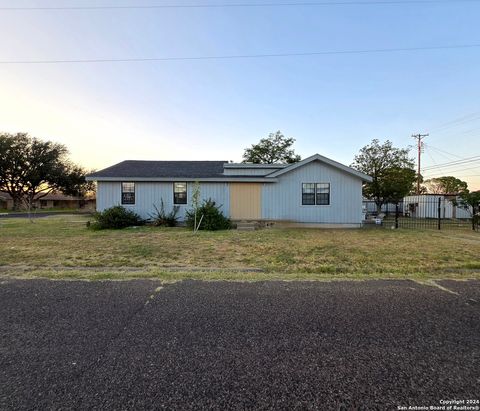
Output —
<point x="245" y="201"/>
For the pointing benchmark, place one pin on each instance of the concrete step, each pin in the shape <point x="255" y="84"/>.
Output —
<point x="247" y="225"/>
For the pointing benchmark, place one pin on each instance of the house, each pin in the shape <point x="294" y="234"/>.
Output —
<point x="316" y="190"/>
<point x="52" y="200"/>
<point x="431" y="205"/>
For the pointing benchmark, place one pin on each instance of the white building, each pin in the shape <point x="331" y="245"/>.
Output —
<point x="427" y="206"/>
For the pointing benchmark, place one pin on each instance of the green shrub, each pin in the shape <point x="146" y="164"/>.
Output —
<point x="476" y="221"/>
<point x="212" y="220"/>
<point x="115" y="217"/>
<point x="163" y="219"/>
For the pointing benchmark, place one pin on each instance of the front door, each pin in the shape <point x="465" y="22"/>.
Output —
<point x="245" y="201"/>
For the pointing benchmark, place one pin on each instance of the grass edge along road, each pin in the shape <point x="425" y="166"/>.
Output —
<point x="61" y="247"/>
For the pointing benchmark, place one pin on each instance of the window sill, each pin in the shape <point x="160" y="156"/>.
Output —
<point x="315" y="205"/>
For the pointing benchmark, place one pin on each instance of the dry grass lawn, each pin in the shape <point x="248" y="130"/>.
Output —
<point x="62" y="247"/>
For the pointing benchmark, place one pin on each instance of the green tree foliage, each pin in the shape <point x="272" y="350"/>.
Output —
<point x="115" y="218"/>
<point x="210" y="216"/>
<point x="445" y="185"/>
<point x="392" y="171"/>
<point x="471" y="202"/>
<point x="30" y="169"/>
<point x="274" y="149"/>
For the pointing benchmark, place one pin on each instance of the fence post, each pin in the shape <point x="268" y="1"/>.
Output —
<point x="439" y="213"/>
<point x="396" y="216"/>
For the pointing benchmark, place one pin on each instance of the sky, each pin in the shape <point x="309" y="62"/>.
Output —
<point x="332" y="104"/>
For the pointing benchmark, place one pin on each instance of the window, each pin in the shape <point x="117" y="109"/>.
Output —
<point x="323" y="194"/>
<point x="43" y="203"/>
<point x="179" y="193"/>
<point x="316" y="194"/>
<point x="308" y="194"/>
<point x="128" y="193"/>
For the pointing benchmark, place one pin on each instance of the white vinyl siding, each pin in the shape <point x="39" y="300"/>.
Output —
<point x="149" y="193"/>
<point x="283" y="200"/>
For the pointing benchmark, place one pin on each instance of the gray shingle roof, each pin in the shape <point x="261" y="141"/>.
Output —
<point x="154" y="169"/>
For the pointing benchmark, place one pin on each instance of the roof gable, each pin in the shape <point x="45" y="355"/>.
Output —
<point x="325" y="160"/>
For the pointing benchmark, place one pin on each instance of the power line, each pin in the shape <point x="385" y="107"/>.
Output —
<point x="241" y="56"/>
<point x="443" y="168"/>
<point x="432" y="173"/>
<point x="434" y="162"/>
<point x="460" y="170"/>
<point x="457" y="125"/>
<point x="442" y="151"/>
<point x="430" y="155"/>
<point x="454" y="163"/>
<point x="459" y="133"/>
<point x="240" y="5"/>
<point x="458" y="121"/>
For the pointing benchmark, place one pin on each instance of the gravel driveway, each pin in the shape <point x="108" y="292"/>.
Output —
<point x="221" y="345"/>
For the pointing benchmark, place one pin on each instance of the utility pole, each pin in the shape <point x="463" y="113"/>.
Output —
<point x="419" y="138"/>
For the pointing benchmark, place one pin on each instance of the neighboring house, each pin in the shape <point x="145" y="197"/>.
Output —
<point x="52" y="200"/>
<point x="315" y="190"/>
<point x="427" y="206"/>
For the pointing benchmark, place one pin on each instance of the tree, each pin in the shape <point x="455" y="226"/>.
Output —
<point x="195" y="203"/>
<point x="392" y="171"/>
<point x="445" y="185"/>
<point x="471" y="202"/>
<point x="274" y="149"/>
<point x="30" y="169"/>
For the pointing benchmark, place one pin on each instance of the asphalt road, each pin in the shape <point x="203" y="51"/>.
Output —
<point x="219" y="345"/>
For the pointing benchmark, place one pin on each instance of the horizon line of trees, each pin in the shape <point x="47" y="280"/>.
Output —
<point x="31" y="168"/>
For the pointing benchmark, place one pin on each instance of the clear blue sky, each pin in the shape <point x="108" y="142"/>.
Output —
<point x="331" y="104"/>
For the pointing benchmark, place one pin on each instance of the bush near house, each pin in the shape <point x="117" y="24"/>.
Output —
<point x="212" y="220"/>
<point x="115" y="218"/>
<point x="163" y="219"/>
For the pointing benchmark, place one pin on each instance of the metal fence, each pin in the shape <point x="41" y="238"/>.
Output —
<point x="370" y="208"/>
<point x="425" y="212"/>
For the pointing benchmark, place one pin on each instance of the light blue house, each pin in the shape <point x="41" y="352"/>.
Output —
<point x="316" y="190"/>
